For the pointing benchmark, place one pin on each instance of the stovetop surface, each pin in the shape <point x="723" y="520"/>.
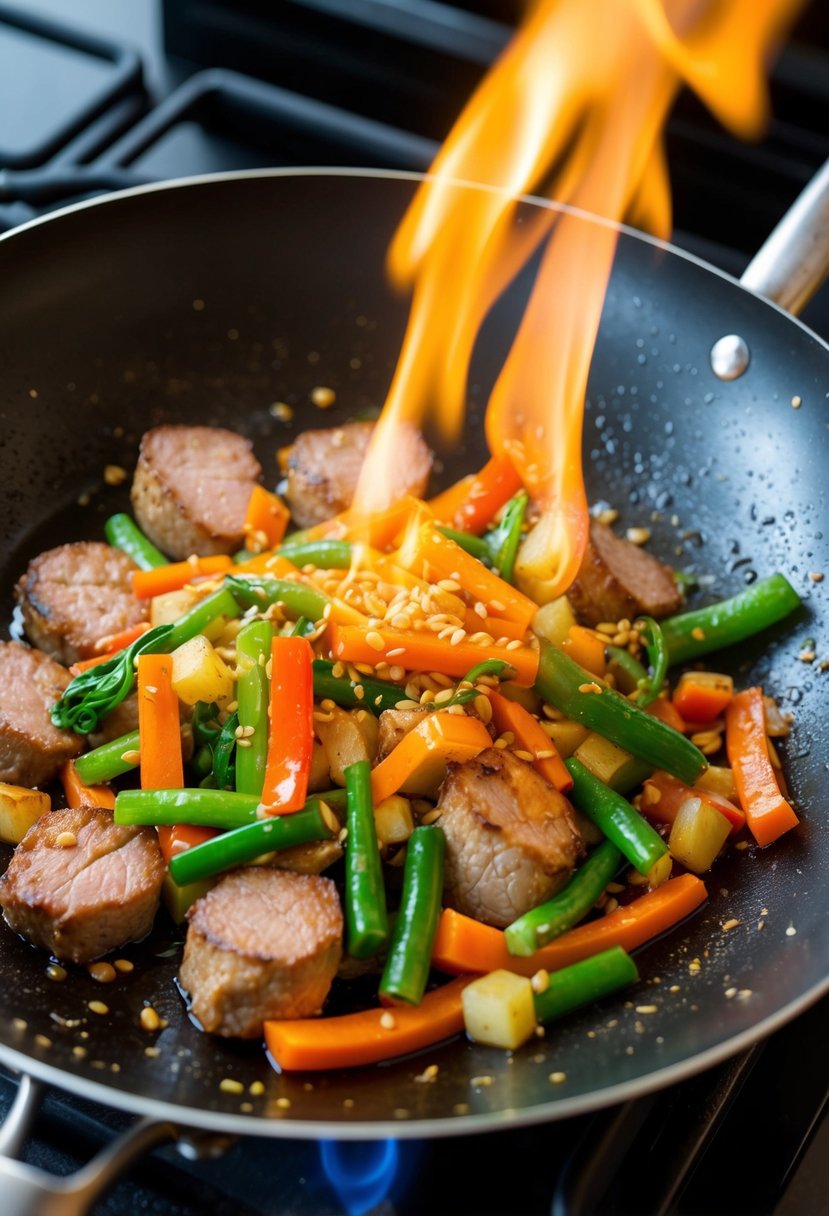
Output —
<point x="748" y="1136"/>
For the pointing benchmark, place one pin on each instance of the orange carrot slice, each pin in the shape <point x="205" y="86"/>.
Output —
<point x="463" y="944"/>
<point x="161" y="579"/>
<point x="266" y="519"/>
<point x="423" y="651"/>
<point x="159" y="732"/>
<point x="291" y="726"/>
<point x="768" y="813"/>
<point x="310" y="1044"/>
<point x="78" y="794"/>
<point x="530" y="735"/>
<point x="471" y="503"/>
<point x="421" y="756"/>
<point x="586" y="648"/>
<point x="701" y="696"/>
<point x="669" y="793"/>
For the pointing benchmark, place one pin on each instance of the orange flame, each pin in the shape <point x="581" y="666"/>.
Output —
<point x="573" y="109"/>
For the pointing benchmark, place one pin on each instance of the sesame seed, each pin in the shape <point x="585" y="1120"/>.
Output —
<point x="102" y="973"/>
<point x="481" y="1082"/>
<point x="646" y="1009"/>
<point x="430" y="1073"/>
<point x="375" y="640"/>
<point x="114" y="475"/>
<point x="540" y="981"/>
<point x="131" y="757"/>
<point x="66" y="840"/>
<point x="557" y="1078"/>
<point x="19" y="1023"/>
<point x="592" y="687"/>
<point x="730" y="924"/>
<point x="698" y="634"/>
<point x="228" y="1086"/>
<point x="42" y="1040"/>
<point x="78" y="1052"/>
<point x="398" y="650"/>
<point x="460" y="1108"/>
<point x="791" y="931"/>
<point x="152" y="1052"/>
<point x="281" y="410"/>
<point x="256" y="1088"/>
<point x="283" y="1103"/>
<point x="638" y="536"/>
<point x="796" y="403"/>
<point x="149" y="1019"/>
<point x="98" y="1007"/>
<point x="730" y="992"/>
<point x="323" y="398"/>
<point x="55" y="972"/>
<point x="387" y="1020"/>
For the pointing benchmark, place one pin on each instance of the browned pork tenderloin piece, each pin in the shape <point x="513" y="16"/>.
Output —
<point x="191" y="488"/>
<point x="73" y="596"/>
<point x="511" y="839"/>
<point x="263" y="943"/>
<point x="617" y="579"/>
<point x="323" y="468"/>
<point x="80" y="885"/>
<point x="395" y="724"/>
<point x="31" y="748"/>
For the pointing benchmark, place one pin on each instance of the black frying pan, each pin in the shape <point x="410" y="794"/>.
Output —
<point x="206" y="302"/>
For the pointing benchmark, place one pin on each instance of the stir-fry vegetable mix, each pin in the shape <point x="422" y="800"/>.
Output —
<point x="272" y="683"/>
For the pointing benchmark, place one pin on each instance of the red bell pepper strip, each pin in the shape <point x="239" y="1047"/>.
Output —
<point x="291" y="730"/>
<point x="471" y="504"/>
<point x="768" y="813"/>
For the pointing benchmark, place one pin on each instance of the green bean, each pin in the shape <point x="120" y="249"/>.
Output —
<point x="476" y="546"/>
<point x="693" y="634"/>
<point x="244" y="844"/>
<point x="205" y="723"/>
<point x="224" y="752"/>
<point x="560" y="682"/>
<point x="657" y="652"/>
<point x="206" y="807"/>
<point x="509" y="533"/>
<point x="584" y="982"/>
<point x="201" y="762"/>
<point x="549" y="920"/>
<point x="407" y="965"/>
<point x="219" y="603"/>
<point x="365" y="896"/>
<point x="377" y="695"/>
<point x="302" y="628"/>
<point x="622" y="663"/>
<point x="253" y="650"/>
<point x="324" y="554"/>
<point x="123" y="533"/>
<point x="107" y="761"/>
<point x="297" y="598"/>
<point x="615" y="817"/>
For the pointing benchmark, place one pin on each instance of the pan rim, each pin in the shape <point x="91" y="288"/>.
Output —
<point x="206" y="179"/>
<point x="448" y="1125"/>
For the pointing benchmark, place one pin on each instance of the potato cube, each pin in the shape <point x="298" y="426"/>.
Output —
<point x="498" y="1009"/>
<point x="607" y="761"/>
<point x="177" y="899"/>
<point x="697" y="835"/>
<point x="566" y="735"/>
<point x="199" y="674"/>
<point x="554" y="620"/>
<point x="393" y="820"/>
<point x="20" y="809"/>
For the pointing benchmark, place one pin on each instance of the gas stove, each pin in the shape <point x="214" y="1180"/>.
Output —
<point x="99" y="96"/>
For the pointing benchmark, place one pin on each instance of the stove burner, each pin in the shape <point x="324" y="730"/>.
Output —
<point x="362" y="1174"/>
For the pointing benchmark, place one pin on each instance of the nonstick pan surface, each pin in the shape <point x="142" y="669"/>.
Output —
<point x="209" y="300"/>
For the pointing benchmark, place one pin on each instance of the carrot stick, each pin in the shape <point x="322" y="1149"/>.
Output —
<point x="76" y="669"/>
<point x="768" y="813"/>
<point x="663" y="795"/>
<point x="306" y="1044"/>
<point x="273" y="564"/>
<point x="529" y="735"/>
<point x="586" y="648"/>
<point x="495" y="626"/>
<point x="421" y="756"/>
<point x="291" y="726"/>
<point x="78" y="794"/>
<point x="379" y="530"/>
<point x="701" y="696"/>
<point x="161" y="579"/>
<point x="174" y="840"/>
<point x="423" y="651"/>
<point x="471" y="503"/>
<point x="463" y="944"/>
<point x="266" y="519"/>
<point x="666" y="712"/>
<point x="113" y="642"/>
<point x="434" y="556"/>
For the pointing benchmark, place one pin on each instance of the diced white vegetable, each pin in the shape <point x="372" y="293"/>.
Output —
<point x="369" y="729"/>
<point x="554" y="620"/>
<point x="697" y="835"/>
<point x="199" y="674"/>
<point x="718" y="780"/>
<point x="605" y="760"/>
<point x="566" y="735"/>
<point x="166" y="608"/>
<point x="342" y="739"/>
<point x="20" y="809"/>
<point x="393" y="820"/>
<point x="178" y="899"/>
<point x="319" y="778"/>
<point x="498" y="1009"/>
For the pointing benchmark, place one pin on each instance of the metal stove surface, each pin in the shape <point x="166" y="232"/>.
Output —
<point x="145" y="90"/>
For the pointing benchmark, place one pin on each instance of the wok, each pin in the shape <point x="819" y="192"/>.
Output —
<point x="206" y="301"/>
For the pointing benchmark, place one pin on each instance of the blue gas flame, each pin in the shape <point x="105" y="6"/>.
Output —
<point x="361" y="1172"/>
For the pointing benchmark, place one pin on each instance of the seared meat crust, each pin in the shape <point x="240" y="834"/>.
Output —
<point x="324" y="466"/>
<point x="263" y="943"/>
<point x="511" y="839"/>
<point x="617" y="579"/>
<point x="74" y="595"/>
<point x="79" y="901"/>
<point x="191" y="488"/>
<point x="395" y="724"/>
<point x="32" y="750"/>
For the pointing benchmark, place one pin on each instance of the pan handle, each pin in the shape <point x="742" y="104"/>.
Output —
<point x="794" y="260"/>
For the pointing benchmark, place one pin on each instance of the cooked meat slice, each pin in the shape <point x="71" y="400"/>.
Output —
<point x="191" y="488"/>
<point x="395" y="724"/>
<point x="31" y="748"/>
<point x="511" y="839"/>
<point x="81" y="900"/>
<point x="323" y="468"/>
<point x="74" y="595"/>
<point x="263" y="943"/>
<point x="617" y="579"/>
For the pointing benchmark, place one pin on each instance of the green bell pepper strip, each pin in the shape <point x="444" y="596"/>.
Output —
<point x="409" y="957"/>
<point x="206" y="806"/>
<point x="615" y="817"/>
<point x="365" y="896"/>
<point x="243" y="844"/>
<point x="224" y="752"/>
<point x="324" y="554"/>
<point x="297" y="598"/>
<point x="342" y="690"/>
<point x="559" y="682"/>
<point x="107" y="761"/>
<point x="584" y="982"/>
<point x="253" y="649"/>
<point x="651" y="634"/>
<point x="302" y="628"/>
<point x="497" y="548"/>
<point x="123" y="533"/>
<point x="572" y="903"/>
<point x="94" y="693"/>
<point x="690" y="635"/>
<point x="463" y="695"/>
